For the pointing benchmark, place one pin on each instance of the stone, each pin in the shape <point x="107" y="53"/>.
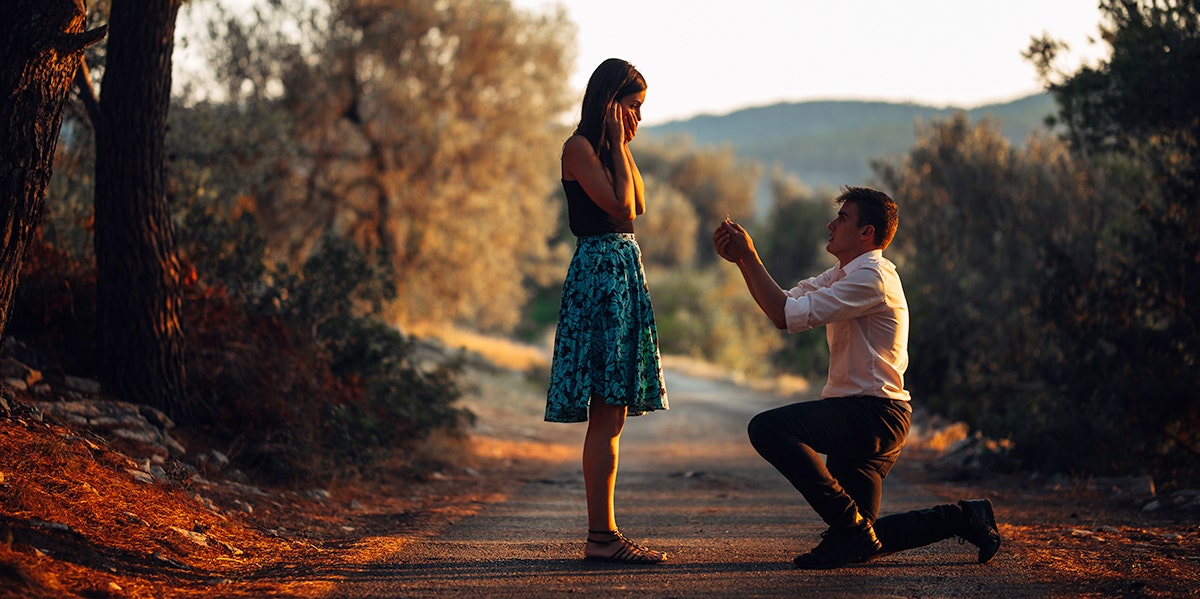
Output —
<point x="1123" y="486"/>
<point x="78" y="383"/>
<point x="140" y="476"/>
<point x="12" y="369"/>
<point x="200" y="539"/>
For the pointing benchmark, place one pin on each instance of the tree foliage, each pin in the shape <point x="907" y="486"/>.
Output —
<point x="791" y="242"/>
<point x="714" y="181"/>
<point x="420" y="130"/>
<point x="1053" y="288"/>
<point x="1129" y="313"/>
<point x="976" y="214"/>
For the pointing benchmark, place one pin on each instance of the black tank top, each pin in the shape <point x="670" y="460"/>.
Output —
<point x="586" y="218"/>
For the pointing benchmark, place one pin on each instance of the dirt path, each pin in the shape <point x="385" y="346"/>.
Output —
<point x="690" y="484"/>
<point x="501" y="514"/>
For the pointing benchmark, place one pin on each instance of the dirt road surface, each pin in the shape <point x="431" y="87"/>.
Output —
<point x="689" y="483"/>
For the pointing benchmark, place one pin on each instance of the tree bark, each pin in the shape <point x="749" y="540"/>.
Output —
<point x="41" y="46"/>
<point x="139" y="293"/>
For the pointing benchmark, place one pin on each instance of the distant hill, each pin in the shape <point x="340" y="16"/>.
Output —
<point x="832" y="143"/>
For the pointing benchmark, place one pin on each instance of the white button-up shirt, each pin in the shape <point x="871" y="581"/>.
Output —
<point x="865" y="315"/>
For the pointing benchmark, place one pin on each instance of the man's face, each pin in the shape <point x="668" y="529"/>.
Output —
<point x="845" y="236"/>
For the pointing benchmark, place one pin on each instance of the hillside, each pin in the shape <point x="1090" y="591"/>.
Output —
<point x="833" y="143"/>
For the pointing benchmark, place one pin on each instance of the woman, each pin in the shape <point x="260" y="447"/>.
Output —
<point x="606" y="362"/>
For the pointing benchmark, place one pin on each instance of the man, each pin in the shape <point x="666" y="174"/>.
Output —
<point x="862" y="418"/>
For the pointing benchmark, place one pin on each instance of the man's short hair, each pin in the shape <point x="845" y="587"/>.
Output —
<point x="874" y="208"/>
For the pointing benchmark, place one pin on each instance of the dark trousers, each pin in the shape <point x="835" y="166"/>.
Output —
<point x="861" y="437"/>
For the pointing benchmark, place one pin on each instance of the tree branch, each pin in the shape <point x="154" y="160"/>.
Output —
<point x="87" y="93"/>
<point x="69" y="43"/>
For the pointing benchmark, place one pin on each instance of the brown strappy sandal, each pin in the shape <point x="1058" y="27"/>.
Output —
<point x="628" y="553"/>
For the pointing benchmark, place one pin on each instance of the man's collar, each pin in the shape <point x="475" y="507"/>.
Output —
<point x="862" y="259"/>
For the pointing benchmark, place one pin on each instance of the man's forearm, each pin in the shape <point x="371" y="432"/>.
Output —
<point x="766" y="292"/>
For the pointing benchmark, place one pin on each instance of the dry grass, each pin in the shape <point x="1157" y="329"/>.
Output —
<point x="504" y="353"/>
<point x="76" y="522"/>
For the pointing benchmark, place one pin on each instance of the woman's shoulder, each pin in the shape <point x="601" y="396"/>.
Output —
<point x="577" y="157"/>
<point x="577" y="143"/>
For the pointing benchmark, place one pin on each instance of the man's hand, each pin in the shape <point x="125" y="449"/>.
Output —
<point x="733" y="243"/>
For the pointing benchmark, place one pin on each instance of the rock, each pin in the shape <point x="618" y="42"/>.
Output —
<point x="133" y="518"/>
<point x="155" y="416"/>
<point x="170" y="562"/>
<point x="227" y="547"/>
<point x="979" y="453"/>
<point x="140" y="476"/>
<point x="218" y="458"/>
<point x="173" y="446"/>
<point x="212" y="461"/>
<point x="244" y="488"/>
<point x="206" y="502"/>
<point x="318" y="494"/>
<point x="12" y="369"/>
<point x="159" y="474"/>
<point x="195" y="537"/>
<point x="1123" y="487"/>
<point x="55" y="526"/>
<point x="1186" y="498"/>
<point x="81" y="384"/>
<point x="142" y="426"/>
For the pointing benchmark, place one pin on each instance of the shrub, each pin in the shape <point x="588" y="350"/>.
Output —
<point x="708" y="314"/>
<point x="295" y="372"/>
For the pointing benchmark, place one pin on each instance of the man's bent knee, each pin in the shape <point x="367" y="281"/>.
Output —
<point x="762" y="426"/>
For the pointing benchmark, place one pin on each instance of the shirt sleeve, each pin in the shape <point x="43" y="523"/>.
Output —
<point x="824" y="299"/>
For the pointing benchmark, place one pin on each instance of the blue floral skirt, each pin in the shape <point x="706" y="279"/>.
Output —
<point x="606" y="344"/>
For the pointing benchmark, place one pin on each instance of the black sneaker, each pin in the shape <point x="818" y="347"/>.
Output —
<point x="838" y="548"/>
<point x="979" y="527"/>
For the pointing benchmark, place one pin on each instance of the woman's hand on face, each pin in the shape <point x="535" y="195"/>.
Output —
<point x="631" y="123"/>
<point x="615" y="122"/>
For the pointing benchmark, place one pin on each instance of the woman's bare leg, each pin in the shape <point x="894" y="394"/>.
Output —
<point x="600" y="450"/>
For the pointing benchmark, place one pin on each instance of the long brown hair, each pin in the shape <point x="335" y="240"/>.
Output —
<point x="612" y="80"/>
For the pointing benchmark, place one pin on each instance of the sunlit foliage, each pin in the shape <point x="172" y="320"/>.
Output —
<point x="420" y="130"/>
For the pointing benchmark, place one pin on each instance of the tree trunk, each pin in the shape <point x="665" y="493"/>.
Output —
<point x="41" y="43"/>
<point x="139" y="293"/>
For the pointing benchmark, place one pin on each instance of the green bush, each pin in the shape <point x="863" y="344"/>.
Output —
<point x="292" y="368"/>
<point x="708" y="314"/>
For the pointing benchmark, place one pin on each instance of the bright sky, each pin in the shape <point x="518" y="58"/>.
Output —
<point x="716" y="56"/>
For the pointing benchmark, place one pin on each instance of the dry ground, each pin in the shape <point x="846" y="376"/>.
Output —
<point x="75" y="523"/>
